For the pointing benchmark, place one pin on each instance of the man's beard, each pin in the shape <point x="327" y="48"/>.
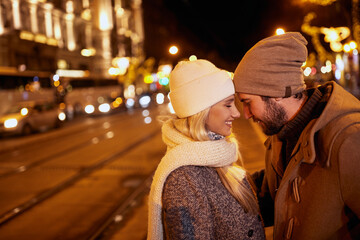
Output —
<point x="274" y="118"/>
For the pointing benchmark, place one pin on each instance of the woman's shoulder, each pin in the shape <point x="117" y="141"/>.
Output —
<point x="189" y="178"/>
<point x="191" y="173"/>
<point x="191" y="186"/>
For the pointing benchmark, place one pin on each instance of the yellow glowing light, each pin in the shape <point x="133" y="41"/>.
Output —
<point x="62" y="106"/>
<point x="62" y="64"/>
<point x="280" y="31"/>
<point x="72" y="73"/>
<point x="120" y="12"/>
<point x="52" y="42"/>
<point x="148" y="79"/>
<point x="88" y="52"/>
<point x="114" y="71"/>
<point x="336" y="46"/>
<point x="24" y="111"/>
<point x="123" y="62"/>
<point x="48" y="20"/>
<point x="62" y="116"/>
<point x="160" y="75"/>
<point x="16" y="14"/>
<point x="334" y="36"/>
<point x="315" y="33"/>
<point x="347" y="48"/>
<point x="119" y="100"/>
<point x="104" y="21"/>
<point x="165" y="69"/>
<point x="69" y="6"/>
<point x="173" y="50"/>
<point x="353" y="45"/>
<point x="40" y="38"/>
<point x="320" y="2"/>
<point x="26" y="35"/>
<point x="10" y="123"/>
<point x="86" y="15"/>
<point x="307" y="71"/>
<point x="192" y="58"/>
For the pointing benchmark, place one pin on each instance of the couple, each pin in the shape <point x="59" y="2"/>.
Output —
<point x="309" y="188"/>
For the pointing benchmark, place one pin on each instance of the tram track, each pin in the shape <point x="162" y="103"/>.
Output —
<point x="73" y="147"/>
<point x="84" y="172"/>
<point x="52" y="137"/>
<point x="109" y="224"/>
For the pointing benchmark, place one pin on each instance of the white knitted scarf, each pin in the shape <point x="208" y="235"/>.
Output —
<point x="182" y="151"/>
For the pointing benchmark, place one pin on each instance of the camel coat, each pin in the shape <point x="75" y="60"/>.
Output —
<point x="318" y="194"/>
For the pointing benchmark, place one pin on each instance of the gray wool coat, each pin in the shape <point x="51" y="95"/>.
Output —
<point x="196" y="205"/>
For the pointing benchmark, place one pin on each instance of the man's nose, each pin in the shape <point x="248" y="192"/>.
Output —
<point x="247" y="112"/>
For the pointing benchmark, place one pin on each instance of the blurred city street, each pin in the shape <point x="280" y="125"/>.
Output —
<point x="83" y="82"/>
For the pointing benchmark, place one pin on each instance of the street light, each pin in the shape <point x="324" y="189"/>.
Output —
<point x="280" y="31"/>
<point x="173" y="50"/>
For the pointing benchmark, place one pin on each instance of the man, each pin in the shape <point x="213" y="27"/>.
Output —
<point x="311" y="181"/>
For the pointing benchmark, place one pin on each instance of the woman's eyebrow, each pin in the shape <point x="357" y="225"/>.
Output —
<point x="230" y="100"/>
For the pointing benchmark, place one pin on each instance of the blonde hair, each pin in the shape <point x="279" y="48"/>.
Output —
<point x="231" y="176"/>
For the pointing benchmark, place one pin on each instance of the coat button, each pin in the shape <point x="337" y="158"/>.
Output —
<point x="296" y="189"/>
<point x="250" y="233"/>
<point x="290" y="228"/>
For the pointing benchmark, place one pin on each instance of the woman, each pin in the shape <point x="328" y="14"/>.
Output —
<point x="199" y="190"/>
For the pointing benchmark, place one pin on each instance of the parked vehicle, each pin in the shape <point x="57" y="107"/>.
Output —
<point x="92" y="96"/>
<point x="17" y="87"/>
<point x="28" y="117"/>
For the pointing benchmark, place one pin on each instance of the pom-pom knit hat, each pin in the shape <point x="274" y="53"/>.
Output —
<point x="197" y="85"/>
<point x="272" y="67"/>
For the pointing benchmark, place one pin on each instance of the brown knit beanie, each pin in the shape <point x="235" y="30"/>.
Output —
<point x="272" y="67"/>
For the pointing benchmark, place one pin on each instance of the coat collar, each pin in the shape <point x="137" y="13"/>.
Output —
<point x="340" y="103"/>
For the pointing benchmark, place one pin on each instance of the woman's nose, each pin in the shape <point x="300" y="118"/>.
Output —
<point x="235" y="113"/>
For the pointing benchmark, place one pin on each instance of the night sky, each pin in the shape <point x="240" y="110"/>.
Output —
<point x="222" y="31"/>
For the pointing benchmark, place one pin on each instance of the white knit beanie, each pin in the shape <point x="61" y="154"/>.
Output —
<point x="197" y="85"/>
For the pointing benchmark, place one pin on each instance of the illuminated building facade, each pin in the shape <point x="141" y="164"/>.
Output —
<point x="69" y="34"/>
